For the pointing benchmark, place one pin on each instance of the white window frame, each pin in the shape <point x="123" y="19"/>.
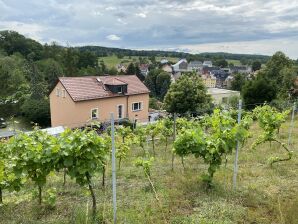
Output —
<point x="122" y="115"/>
<point x="140" y="108"/>
<point x="94" y="118"/>
<point x="57" y="92"/>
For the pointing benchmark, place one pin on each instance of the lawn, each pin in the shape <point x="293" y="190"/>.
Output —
<point x="264" y="194"/>
<point x="113" y="60"/>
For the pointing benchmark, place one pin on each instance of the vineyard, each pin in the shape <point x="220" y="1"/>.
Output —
<point x="178" y="170"/>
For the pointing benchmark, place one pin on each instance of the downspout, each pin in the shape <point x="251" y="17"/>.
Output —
<point x="127" y="107"/>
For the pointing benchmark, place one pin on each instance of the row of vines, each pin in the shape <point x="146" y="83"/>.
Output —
<point x="83" y="154"/>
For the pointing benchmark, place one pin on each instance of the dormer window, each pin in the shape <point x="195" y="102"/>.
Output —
<point x="119" y="89"/>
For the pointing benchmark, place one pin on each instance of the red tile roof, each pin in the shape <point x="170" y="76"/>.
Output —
<point x="93" y="87"/>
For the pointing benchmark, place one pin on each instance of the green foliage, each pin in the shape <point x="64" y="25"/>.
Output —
<point x="187" y="95"/>
<point x="238" y="82"/>
<point x="258" y="91"/>
<point x="50" y="197"/>
<point x="220" y="139"/>
<point x="221" y="63"/>
<point x="256" y="65"/>
<point x="8" y="179"/>
<point x="153" y="130"/>
<point x="82" y="153"/>
<point x="124" y="140"/>
<point x="270" y="120"/>
<point x="37" y="110"/>
<point x="158" y="83"/>
<point x="140" y="137"/>
<point x="145" y="163"/>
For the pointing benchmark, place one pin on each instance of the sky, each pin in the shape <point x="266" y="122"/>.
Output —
<point x="194" y="26"/>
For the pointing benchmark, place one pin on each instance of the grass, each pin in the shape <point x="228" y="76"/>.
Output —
<point x="264" y="194"/>
<point x="235" y="62"/>
<point x="113" y="60"/>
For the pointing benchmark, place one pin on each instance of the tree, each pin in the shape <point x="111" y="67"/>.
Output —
<point x="187" y="95"/>
<point x="139" y="73"/>
<point x="70" y="61"/>
<point x="258" y="91"/>
<point x="256" y="65"/>
<point x="238" y="82"/>
<point x="163" y="82"/>
<point x="221" y="63"/>
<point x="131" y="69"/>
<point x="37" y="111"/>
<point x="51" y="71"/>
<point x="158" y="83"/>
<point x="86" y="58"/>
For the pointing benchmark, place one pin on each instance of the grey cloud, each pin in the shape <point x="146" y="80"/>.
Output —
<point x="168" y="23"/>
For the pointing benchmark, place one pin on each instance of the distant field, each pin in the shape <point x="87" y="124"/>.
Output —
<point x="113" y="60"/>
<point x="235" y="62"/>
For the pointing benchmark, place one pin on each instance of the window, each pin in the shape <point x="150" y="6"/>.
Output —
<point x="120" y="111"/>
<point x="119" y="89"/>
<point x="136" y="106"/>
<point x="94" y="113"/>
<point x="57" y="92"/>
<point x="63" y="93"/>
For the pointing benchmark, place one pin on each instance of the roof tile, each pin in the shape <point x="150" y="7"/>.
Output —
<point x="93" y="87"/>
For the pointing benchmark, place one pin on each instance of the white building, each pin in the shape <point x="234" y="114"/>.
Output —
<point x="180" y="66"/>
<point x="195" y="66"/>
<point x="220" y="96"/>
<point x="207" y="63"/>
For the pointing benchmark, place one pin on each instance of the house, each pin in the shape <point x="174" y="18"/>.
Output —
<point x="207" y="63"/>
<point x="241" y="69"/>
<point x="167" y="68"/>
<point x="208" y="70"/>
<point x="209" y="80"/>
<point x="180" y="66"/>
<point x="144" y="68"/>
<point x="220" y="96"/>
<point x="228" y="82"/>
<point x="221" y="76"/>
<point x="164" y="61"/>
<point x="121" y="68"/>
<point x="77" y="101"/>
<point x="195" y="66"/>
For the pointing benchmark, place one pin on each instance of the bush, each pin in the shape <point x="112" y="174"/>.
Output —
<point x="37" y="111"/>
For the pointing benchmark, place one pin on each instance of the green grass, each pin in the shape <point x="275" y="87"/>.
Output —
<point x="113" y="60"/>
<point x="235" y="62"/>
<point x="264" y="194"/>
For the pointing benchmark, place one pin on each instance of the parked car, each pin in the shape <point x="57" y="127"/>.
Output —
<point x="2" y="123"/>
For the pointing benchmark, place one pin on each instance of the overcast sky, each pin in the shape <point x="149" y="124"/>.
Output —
<point x="255" y="26"/>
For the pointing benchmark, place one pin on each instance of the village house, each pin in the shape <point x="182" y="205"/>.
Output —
<point x="209" y="80"/>
<point x="77" y="101"/>
<point x="144" y="68"/>
<point x="195" y="66"/>
<point x="207" y="63"/>
<point x="121" y="68"/>
<point x="241" y="69"/>
<point x="167" y="68"/>
<point x="180" y="66"/>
